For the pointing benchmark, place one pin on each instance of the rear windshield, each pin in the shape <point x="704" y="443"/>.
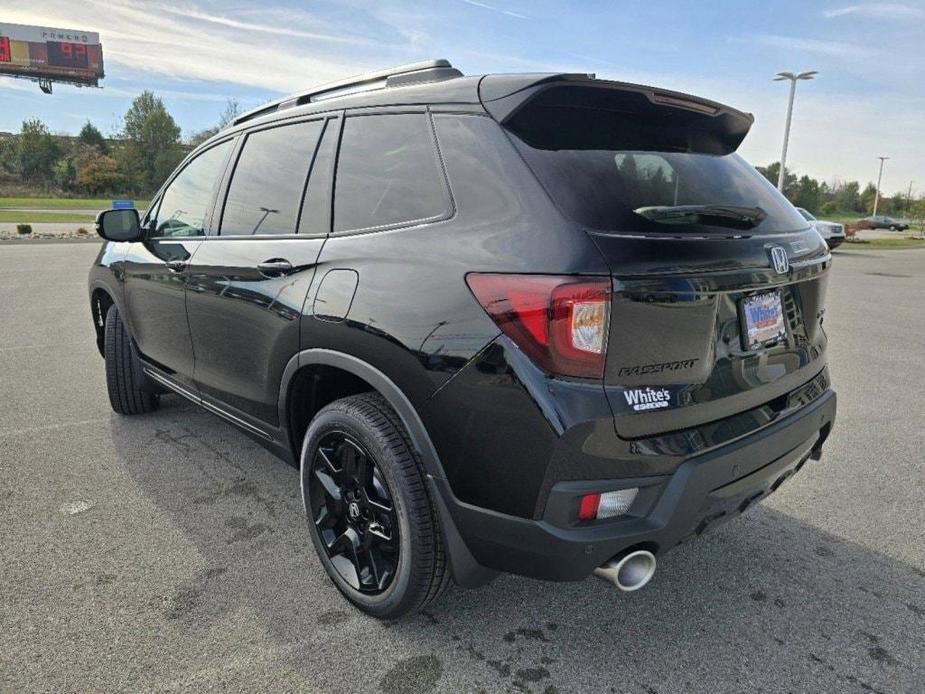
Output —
<point x="603" y="185"/>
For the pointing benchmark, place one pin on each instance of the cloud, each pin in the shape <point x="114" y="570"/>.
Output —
<point x="879" y="10"/>
<point x="192" y="13"/>
<point x="837" y="49"/>
<point x="485" y="6"/>
<point x="168" y="44"/>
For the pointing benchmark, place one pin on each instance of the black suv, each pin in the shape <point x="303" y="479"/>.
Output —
<point x="542" y="324"/>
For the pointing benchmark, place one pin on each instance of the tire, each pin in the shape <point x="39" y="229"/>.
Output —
<point x="128" y="395"/>
<point x="387" y="563"/>
<point x="892" y="227"/>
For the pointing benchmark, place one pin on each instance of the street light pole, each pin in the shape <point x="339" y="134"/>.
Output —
<point x="879" y="179"/>
<point x="806" y="75"/>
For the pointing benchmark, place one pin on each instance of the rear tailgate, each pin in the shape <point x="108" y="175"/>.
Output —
<point x="701" y="247"/>
<point x="678" y="354"/>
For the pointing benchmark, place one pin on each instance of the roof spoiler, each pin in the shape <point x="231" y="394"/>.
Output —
<point x="702" y="125"/>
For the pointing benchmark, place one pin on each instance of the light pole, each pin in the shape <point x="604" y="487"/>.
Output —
<point x="781" y="76"/>
<point x="879" y="178"/>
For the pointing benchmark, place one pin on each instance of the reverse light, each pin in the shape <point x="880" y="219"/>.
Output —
<point x="560" y="322"/>
<point x="606" y="504"/>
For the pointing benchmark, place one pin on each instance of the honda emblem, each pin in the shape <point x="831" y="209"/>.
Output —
<point x="779" y="260"/>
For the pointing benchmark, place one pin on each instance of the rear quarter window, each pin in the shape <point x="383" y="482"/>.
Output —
<point x="388" y="173"/>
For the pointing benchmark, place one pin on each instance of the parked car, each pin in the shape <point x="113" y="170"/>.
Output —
<point x="882" y="222"/>
<point x="541" y="324"/>
<point x="832" y="232"/>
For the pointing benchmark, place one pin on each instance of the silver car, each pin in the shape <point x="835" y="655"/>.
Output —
<point x="832" y="232"/>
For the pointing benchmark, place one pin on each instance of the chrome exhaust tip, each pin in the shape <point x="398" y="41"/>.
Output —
<point x="630" y="572"/>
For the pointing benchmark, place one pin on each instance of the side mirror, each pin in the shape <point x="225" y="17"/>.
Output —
<point x="119" y="225"/>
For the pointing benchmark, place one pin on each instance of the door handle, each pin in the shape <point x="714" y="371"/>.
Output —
<point x="275" y="267"/>
<point x="176" y="265"/>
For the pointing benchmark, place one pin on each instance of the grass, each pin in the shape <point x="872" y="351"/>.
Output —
<point x="94" y="204"/>
<point x="883" y="244"/>
<point x="33" y="217"/>
<point x="841" y="217"/>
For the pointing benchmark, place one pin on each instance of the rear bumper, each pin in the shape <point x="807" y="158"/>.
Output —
<point x="702" y="493"/>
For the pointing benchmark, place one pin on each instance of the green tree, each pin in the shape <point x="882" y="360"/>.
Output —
<point x="848" y="197"/>
<point x="808" y="194"/>
<point x="772" y="173"/>
<point x="90" y="135"/>
<point x="154" y="136"/>
<point x="867" y="200"/>
<point x="38" y="151"/>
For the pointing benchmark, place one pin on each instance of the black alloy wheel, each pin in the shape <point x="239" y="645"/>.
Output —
<point x="352" y="509"/>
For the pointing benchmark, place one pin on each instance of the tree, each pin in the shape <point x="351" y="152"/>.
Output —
<point x="867" y="200"/>
<point x="99" y="174"/>
<point x="154" y="136"/>
<point x="772" y="172"/>
<point x="90" y="135"/>
<point x="848" y="197"/>
<point x="38" y="151"/>
<point x="232" y="111"/>
<point x="808" y="194"/>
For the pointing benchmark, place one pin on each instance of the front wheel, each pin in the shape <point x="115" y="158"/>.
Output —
<point x="369" y="512"/>
<point x="128" y="394"/>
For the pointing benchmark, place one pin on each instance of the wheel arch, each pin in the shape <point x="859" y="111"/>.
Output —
<point x="101" y="298"/>
<point x="466" y="571"/>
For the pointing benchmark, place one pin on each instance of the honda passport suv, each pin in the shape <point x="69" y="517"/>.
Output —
<point x="541" y="324"/>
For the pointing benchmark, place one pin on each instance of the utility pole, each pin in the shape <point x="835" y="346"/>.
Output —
<point x="879" y="179"/>
<point x="781" y="76"/>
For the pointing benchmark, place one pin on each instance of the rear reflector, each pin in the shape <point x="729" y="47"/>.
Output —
<point x="606" y="504"/>
<point x="560" y="322"/>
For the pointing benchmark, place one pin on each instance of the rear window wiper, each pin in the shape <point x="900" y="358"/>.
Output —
<point x="715" y="215"/>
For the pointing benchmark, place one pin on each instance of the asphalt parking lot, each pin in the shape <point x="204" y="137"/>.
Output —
<point x="169" y="552"/>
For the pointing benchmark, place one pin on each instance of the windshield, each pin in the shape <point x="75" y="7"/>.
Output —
<point x="609" y="190"/>
<point x="806" y="215"/>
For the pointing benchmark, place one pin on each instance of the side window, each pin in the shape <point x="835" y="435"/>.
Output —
<point x="316" y="207"/>
<point x="266" y="187"/>
<point x="388" y="173"/>
<point x="185" y="202"/>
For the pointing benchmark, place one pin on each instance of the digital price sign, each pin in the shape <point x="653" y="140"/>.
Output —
<point x="67" y="54"/>
<point x="47" y="54"/>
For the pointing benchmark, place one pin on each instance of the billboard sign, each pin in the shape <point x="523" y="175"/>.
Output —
<point x="47" y="53"/>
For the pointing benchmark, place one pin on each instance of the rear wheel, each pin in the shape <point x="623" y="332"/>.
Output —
<point x="128" y="394"/>
<point x="369" y="512"/>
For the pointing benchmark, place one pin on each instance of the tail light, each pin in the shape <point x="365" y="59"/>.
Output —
<point x="560" y="322"/>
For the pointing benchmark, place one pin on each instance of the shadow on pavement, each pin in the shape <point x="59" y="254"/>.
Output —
<point x="766" y="602"/>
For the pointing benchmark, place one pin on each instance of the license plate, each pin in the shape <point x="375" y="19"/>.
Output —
<point x="763" y="320"/>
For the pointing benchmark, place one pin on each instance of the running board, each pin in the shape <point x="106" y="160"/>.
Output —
<point x="206" y="405"/>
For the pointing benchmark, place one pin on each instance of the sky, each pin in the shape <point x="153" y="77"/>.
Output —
<point x="868" y="99"/>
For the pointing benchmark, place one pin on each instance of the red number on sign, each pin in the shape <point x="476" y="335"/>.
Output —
<point x="67" y="50"/>
<point x="80" y="50"/>
<point x="4" y="49"/>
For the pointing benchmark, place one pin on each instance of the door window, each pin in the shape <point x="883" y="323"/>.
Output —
<point x="186" y="201"/>
<point x="388" y="173"/>
<point x="266" y="188"/>
<point x="315" y="218"/>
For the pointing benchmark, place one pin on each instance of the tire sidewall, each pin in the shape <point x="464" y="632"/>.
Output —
<point x="398" y="593"/>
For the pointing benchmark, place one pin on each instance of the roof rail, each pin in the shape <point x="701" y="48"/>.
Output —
<point x="400" y="76"/>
